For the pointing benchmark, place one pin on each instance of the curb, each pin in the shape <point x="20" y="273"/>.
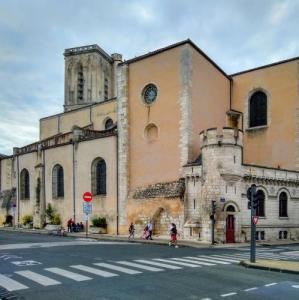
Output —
<point x="273" y="269"/>
<point x="111" y="238"/>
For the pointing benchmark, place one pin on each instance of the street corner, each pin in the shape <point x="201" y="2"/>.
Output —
<point x="282" y="266"/>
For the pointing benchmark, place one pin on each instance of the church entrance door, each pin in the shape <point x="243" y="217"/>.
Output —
<point x="230" y="229"/>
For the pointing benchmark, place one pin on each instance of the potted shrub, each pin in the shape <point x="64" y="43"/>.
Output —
<point x="27" y="221"/>
<point x="99" y="225"/>
<point x="54" y="219"/>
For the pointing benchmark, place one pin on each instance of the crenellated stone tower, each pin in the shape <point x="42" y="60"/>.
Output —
<point x="221" y="179"/>
<point x="89" y="76"/>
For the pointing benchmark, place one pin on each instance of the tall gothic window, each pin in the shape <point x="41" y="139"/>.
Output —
<point x="258" y="109"/>
<point x="260" y="211"/>
<point x="106" y="88"/>
<point x="57" y="181"/>
<point x="25" y="184"/>
<point x="98" y="177"/>
<point x="283" y="204"/>
<point x="80" y="84"/>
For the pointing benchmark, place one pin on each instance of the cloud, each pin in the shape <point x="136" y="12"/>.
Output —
<point x="279" y="12"/>
<point x="237" y="34"/>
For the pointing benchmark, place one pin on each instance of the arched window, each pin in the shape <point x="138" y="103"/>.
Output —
<point x="283" y="204"/>
<point x="108" y="124"/>
<point x="80" y="84"/>
<point x="151" y="132"/>
<point x="57" y="181"/>
<point x="258" y="109"/>
<point x="24" y="184"/>
<point x="106" y="88"/>
<point x="230" y="208"/>
<point x="98" y="177"/>
<point x="260" y="211"/>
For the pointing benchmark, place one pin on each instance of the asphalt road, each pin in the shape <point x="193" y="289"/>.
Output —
<point x="34" y="266"/>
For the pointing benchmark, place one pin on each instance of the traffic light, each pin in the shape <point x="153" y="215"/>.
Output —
<point x="252" y="190"/>
<point x="255" y="200"/>
<point x="213" y="207"/>
<point x="249" y="198"/>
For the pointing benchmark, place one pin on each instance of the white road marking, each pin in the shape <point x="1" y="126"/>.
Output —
<point x="227" y="295"/>
<point x="191" y="260"/>
<point x="295" y="286"/>
<point x="94" y="271"/>
<point x="68" y="274"/>
<point x="26" y="263"/>
<point x="166" y="266"/>
<point x="225" y="259"/>
<point x="270" y="284"/>
<point x="206" y="299"/>
<point x="251" y="289"/>
<point x="59" y="244"/>
<point x="139" y="266"/>
<point x="212" y="260"/>
<point x="10" y="284"/>
<point x="117" y="268"/>
<point x="177" y="263"/>
<point x="43" y="280"/>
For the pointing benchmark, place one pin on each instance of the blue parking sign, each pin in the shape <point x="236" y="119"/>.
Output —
<point x="87" y="208"/>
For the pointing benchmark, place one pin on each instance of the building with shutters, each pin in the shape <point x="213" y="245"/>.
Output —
<point x="159" y="137"/>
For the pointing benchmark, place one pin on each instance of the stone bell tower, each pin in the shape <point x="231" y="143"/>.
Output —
<point x="89" y="76"/>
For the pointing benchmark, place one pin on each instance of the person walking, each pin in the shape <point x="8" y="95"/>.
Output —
<point x="173" y="235"/>
<point x="131" y="231"/>
<point x="69" y="225"/>
<point x="150" y="230"/>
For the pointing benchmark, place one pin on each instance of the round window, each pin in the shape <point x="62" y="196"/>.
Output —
<point x="149" y="94"/>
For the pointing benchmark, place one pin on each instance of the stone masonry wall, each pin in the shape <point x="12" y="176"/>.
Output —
<point x="123" y="140"/>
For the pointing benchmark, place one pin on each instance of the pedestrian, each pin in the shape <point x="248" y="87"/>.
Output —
<point x="145" y="233"/>
<point x="173" y="235"/>
<point x="73" y="227"/>
<point x="131" y="231"/>
<point x="81" y="226"/>
<point x="150" y="230"/>
<point x="69" y="225"/>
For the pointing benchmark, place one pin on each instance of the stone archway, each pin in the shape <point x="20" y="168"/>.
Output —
<point x="160" y="222"/>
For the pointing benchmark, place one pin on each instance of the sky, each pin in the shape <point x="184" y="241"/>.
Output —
<point x="236" y="34"/>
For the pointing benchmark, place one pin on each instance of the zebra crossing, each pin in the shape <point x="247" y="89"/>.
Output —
<point x="53" y="276"/>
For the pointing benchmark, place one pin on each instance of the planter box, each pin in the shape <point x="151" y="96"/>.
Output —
<point x="100" y="230"/>
<point x="28" y="226"/>
<point x="51" y="227"/>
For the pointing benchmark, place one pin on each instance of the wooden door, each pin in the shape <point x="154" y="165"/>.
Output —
<point x="230" y="229"/>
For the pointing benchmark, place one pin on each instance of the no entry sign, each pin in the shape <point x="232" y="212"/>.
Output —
<point x="255" y="220"/>
<point x="87" y="196"/>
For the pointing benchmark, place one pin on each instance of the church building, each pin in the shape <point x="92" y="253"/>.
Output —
<point x="163" y="137"/>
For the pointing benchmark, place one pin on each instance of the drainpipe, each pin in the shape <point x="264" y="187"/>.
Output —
<point x="44" y="188"/>
<point x="117" y="204"/>
<point x="18" y="189"/>
<point x="74" y="184"/>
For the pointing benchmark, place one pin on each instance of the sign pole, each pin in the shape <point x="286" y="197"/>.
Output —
<point x="252" y="240"/>
<point x="86" y="225"/>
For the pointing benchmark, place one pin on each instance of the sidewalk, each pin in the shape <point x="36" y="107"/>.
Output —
<point x="158" y="240"/>
<point x="273" y="265"/>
